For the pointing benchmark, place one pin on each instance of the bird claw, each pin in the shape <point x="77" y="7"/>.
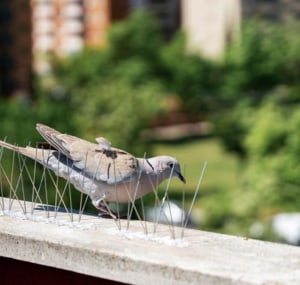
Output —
<point x="106" y="211"/>
<point x="107" y="215"/>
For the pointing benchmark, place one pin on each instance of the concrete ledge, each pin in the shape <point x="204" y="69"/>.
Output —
<point x="96" y="247"/>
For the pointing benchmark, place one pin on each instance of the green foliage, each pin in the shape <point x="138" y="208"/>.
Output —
<point x="253" y="95"/>
<point x="267" y="133"/>
<point x="192" y="77"/>
<point x="18" y="120"/>
<point x="263" y="59"/>
<point x="137" y="37"/>
<point x="270" y="176"/>
<point x="232" y="126"/>
<point x="261" y="65"/>
<point x="116" y="91"/>
<point x="260" y="89"/>
<point x="273" y="141"/>
<point x="119" y="113"/>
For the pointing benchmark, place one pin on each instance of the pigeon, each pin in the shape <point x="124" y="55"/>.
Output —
<point x="106" y="174"/>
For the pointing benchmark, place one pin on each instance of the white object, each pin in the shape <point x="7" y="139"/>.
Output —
<point x="287" y="226"/>
<point x="167" y="214"/>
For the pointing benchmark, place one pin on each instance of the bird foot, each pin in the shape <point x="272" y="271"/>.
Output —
<point x="105" y="211"/>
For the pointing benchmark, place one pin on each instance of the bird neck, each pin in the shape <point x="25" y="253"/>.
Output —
<point x="152" y="172"/>
<point x="149" y="165"/>
<point x="152" y="166"/>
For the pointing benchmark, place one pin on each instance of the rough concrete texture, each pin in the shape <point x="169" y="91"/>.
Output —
<point x="96" y="247"/>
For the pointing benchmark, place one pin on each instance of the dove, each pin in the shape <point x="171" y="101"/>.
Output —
<point x="106" y="174"/>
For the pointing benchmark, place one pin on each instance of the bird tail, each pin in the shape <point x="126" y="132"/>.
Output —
<point x="34" y="153"/>
<point x="9" y="146"/>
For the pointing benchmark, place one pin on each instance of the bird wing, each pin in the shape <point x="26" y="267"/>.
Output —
<point x="97" y="161"/>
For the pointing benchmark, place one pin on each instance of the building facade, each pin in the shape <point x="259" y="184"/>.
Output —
<point x="29" y="29"/>
<point x="15" y="48"/>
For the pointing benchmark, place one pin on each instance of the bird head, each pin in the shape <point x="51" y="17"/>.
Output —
<point x="167" y="166"/>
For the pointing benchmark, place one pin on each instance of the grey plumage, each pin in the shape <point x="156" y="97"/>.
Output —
<point x="104" y="173"/>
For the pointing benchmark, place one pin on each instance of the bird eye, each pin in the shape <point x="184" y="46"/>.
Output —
<point x="171" y="165"/>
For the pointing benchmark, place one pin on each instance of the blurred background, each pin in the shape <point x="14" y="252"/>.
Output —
<point x="196" y="79"/>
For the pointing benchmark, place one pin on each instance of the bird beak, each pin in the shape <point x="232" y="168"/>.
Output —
<point x="180" y="176"/>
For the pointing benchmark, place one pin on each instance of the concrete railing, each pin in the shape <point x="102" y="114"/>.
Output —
<point x="130" y="252"/>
